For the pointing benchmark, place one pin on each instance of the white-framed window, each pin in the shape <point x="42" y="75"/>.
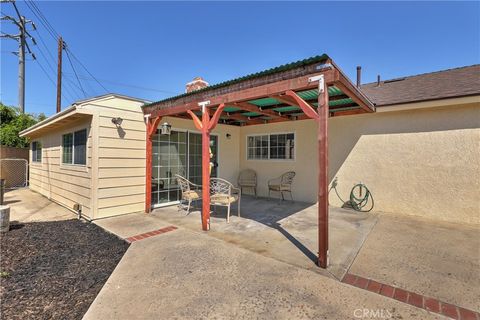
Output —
<point x="275" y="146"/>
<point x="36" y="151"/>
<point x="74" y="147"/>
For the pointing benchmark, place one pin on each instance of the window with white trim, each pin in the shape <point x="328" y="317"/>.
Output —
<point x="36" y="151"/>
<point x="74" y="147"/>
<point x="279" y="146"/>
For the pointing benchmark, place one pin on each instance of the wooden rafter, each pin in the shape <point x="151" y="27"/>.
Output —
<point x="296" y="84"/>
<point x="253" y="108"/>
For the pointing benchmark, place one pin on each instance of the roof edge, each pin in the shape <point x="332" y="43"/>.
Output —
<point x="291" y="65"/>
<point x="422" y="74"/>
<point x="48" y="120"/>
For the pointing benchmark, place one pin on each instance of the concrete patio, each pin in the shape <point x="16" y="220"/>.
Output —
<point x="283" y="230"/>
<point x="190" y="275"/>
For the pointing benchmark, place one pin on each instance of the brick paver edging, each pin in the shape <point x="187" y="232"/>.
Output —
<point x="150" y="234"/>
<point x="414" y="299"/>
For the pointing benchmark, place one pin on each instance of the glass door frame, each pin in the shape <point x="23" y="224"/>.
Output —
<point x="186" y="131"/>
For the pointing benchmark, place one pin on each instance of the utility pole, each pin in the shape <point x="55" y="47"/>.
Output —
<point x="21" y="38"/>
<point x="21" y="65"/>
<point x="59" y="75"/>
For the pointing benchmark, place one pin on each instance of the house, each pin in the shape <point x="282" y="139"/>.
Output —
<point x="83" y="160"/>
<point x="413" y="141"/>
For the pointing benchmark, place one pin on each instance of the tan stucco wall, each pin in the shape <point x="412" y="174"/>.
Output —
<point x="417" y="162"/>
<point x="421" y="162"/>
<point x="65" y="184"/>
<point x="304" y="165"/>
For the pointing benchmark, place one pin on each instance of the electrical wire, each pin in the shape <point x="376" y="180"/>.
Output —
<point x="76" y="75"/>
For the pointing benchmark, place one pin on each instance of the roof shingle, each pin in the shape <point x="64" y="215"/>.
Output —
<point x="458" y="82"/>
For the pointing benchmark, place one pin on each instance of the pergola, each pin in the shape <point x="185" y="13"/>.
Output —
<point x="313" y="88"/>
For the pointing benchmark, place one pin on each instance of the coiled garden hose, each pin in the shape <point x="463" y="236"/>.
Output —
<point x="357" y="203"/>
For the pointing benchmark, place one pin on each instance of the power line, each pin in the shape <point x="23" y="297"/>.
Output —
<point x="34" y="8"/>
<point x="43" y="20"/>
<point x="76" y="75"/>
<point x="91" y="75"/>
<point x="127" y="85"/>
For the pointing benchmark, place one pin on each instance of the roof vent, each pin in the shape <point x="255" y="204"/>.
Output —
<point x="394" y="80"/>
<point x="196" y="84"/>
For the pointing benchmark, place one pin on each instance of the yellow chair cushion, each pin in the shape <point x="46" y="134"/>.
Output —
<point x="222" y="198"/>
<point x="190" y="195"/>
<point x="279" y="187"/>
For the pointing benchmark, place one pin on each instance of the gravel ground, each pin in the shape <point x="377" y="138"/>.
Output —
<point x="54" y="270"/>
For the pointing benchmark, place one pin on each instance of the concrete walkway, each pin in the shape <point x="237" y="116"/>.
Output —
<point x="188" y="275"/>
<point x="28" y="206"/>
<point x="431" y="258"/>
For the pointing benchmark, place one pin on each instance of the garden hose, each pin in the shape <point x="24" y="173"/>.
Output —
<point x="357" y="203"/>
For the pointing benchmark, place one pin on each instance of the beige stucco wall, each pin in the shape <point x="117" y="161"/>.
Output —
<point x="421" y="162"/>
<point x="417" y="162"/>
<point x="64" y="184"/>
<point x="304" y="165"/>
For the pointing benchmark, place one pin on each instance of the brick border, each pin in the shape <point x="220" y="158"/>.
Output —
<point x="412" y="298"/>
<point x="150" y="234"/>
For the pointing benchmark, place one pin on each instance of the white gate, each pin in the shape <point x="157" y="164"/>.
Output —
<point x="15" y="173"/>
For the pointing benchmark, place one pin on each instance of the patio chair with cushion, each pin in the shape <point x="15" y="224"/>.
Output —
<point x="282" y="184"/>
<point x="190" y="191"/>
<point x="248" y="179"/>
<point x="223" y="193"/>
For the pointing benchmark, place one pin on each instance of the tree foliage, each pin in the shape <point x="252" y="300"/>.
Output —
<point x="12" y="121"/>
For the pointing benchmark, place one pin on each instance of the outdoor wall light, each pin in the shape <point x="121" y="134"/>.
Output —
<point x="165" y="128"/>
<point x="228" y="135"/>
<point x="117" y="121"/>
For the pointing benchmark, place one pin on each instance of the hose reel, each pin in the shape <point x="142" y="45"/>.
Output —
<point x="360" y="197"/>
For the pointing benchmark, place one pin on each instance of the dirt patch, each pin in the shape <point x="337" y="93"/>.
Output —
<point x="54" y="270"/>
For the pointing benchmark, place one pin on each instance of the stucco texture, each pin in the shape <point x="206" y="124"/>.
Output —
<point x="417" y="162"/>
<point x="421" y="162"/>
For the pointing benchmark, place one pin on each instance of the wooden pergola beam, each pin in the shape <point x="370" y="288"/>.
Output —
<point x="295" y="84"/>
<point x="253" y="108"/>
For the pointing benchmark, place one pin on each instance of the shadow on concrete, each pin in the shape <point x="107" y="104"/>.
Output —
<point x="270" y="212"/>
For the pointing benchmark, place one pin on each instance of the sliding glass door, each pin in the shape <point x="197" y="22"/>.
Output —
<point x="177" y="153"/>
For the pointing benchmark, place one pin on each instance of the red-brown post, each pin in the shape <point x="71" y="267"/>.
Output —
<point x="205" y="170"/>
<point x="206" y="125"/>
<point x="322" y="124"/>
<point x="151" y="129"/>
<point x="321" y="118"/>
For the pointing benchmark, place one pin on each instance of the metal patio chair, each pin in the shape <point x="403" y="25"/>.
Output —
<point x="248" y="179"/>
<point x="282" y="184"/>
<point x="223" y="193"/>
<point x="190" y="191"/>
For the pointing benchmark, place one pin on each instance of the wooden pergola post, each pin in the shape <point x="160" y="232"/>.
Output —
<point x="206" y="125"/>
<point x="150" y="130"/>
<point x="321" y="118"/>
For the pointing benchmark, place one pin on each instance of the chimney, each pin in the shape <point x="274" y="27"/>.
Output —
<point x="378" y="80"/>
<point x="359" y="76"/>
<point x="196" y="84"/>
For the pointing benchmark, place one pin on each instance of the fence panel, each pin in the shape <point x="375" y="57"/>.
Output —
<point x="15" y="173"/>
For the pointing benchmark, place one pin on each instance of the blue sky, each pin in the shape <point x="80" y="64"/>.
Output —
<point x="160" y="46"/>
